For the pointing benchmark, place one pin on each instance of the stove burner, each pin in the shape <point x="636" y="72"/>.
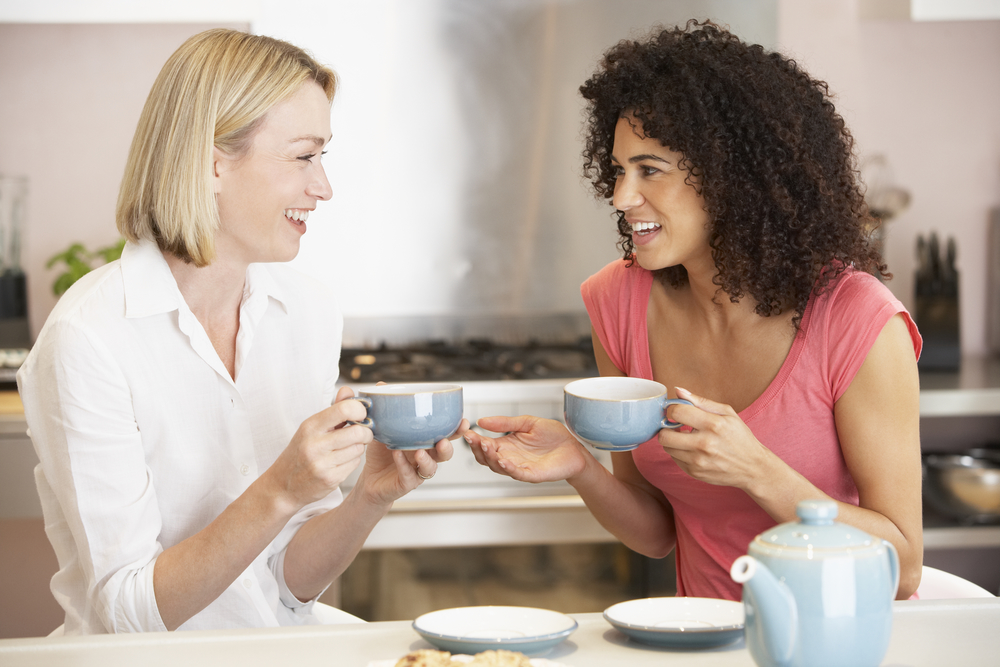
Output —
<point x="473" y="359"/>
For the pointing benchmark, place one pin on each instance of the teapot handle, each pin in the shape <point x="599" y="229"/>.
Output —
<point x="893" y="566"/>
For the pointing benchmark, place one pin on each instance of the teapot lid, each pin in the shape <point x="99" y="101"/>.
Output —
<point x="816" y="529"/>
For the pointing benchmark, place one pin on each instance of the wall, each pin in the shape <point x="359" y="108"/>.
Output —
<point x="70" y="96"/>
<point x="434" y="211"/>
<point x="926" y="95"/>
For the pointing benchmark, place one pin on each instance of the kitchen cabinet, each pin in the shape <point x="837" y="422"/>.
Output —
<point x="18" y="498"/>
<point x="27" y="561"/>
<point x="958" y="411"/>
<point x="929" y="10"/>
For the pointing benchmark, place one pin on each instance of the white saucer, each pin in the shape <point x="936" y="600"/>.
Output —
<point x="682" y="622"/>
<point x="477" y="629"/>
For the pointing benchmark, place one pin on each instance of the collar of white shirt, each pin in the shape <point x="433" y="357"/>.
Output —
<point x="150" y="288"/>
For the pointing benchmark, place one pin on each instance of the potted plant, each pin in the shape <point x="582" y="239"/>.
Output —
<point x="79" y="261"/>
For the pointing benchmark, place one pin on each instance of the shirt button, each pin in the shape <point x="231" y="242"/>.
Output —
<point x="245" y="469"/>
<point x="247" y="583"/>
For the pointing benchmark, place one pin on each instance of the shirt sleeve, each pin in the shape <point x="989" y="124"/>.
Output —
<point x="602" y="296"/>
<point x="279" y="546"/>
<point x="79" y="412"/>
<point x="860" y="307"/>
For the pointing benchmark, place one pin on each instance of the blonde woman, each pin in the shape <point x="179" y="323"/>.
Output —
<point x="182" y="400"/>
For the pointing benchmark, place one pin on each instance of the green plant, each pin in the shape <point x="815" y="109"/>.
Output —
<point x="79" y="261"/>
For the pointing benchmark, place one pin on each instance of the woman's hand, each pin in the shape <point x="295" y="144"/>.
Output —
<point x="390" y="474"/>
<point x="531" y="449"/>
<point x="324" y="451"/>
<point x="327" y="543"/>
<point x="719" y="448"/>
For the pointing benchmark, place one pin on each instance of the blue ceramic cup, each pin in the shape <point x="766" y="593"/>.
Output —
<point x="617" y="413"/>
<point x="412" y="416"/>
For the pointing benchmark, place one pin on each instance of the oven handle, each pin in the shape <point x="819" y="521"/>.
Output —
<point x="569" y="502"/>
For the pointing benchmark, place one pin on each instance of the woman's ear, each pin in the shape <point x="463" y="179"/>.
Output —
<point x="222" y="162"/>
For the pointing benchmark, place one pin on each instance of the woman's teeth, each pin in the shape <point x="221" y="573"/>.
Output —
<point x="297" y="214"/>
<point x="642" y="227"/>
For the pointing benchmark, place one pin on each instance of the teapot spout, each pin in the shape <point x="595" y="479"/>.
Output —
<point x="771" y="613"/>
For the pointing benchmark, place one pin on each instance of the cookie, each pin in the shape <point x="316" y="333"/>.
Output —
<point x="500" y="659"/>
<point x="426" y="658"/>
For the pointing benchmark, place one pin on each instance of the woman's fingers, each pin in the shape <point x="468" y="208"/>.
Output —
<point x="424" y="463"/>
<point x="486" y="451"/>
<point x="702" y="414"/>
<point x="703" y="403"/>
<point x="500" y="424"/>
<point x="416" y="465"/>
<point x="463" y="427"/>
<point x="345" y="409"/>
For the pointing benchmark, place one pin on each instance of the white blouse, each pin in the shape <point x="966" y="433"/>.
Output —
<point x="144" y="438"/>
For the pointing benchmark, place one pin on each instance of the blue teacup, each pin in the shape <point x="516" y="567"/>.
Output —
<point x="412" y="416"/>
<point x="617" y="413"/>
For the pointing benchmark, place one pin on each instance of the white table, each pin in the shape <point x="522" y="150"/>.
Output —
<point x="934" y="633"/>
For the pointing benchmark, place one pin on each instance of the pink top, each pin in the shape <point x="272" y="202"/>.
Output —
<point x="793" y="417"/>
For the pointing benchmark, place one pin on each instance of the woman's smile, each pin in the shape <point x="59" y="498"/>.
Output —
<point x="298" y="217"/>
<point x="643" y="232"/>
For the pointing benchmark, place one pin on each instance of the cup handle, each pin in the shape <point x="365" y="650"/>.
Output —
<point x="666" y="423"/>
<point x="367" y="421"/>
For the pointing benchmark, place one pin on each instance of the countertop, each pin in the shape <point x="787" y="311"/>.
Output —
<point x="928" y="633"/>
<point x="10" y="403"/>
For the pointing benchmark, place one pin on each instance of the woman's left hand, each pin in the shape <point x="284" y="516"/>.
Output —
<point x="389" y="474"/>
<point x="719" y="449"/>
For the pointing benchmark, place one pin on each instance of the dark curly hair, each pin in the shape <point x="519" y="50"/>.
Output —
<point x="762" y="143"/>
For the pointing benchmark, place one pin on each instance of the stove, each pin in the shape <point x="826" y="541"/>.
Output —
<point x="475" y="359"/>
<point x="466" y="504"/>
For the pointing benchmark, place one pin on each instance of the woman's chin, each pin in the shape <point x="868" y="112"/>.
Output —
<point x="648" y="261"/>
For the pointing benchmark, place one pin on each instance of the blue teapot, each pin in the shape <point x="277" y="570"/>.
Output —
<point x="817" y="592"/>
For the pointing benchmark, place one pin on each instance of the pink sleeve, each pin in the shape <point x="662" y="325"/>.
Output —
<point x="604" y="295"/>
<point x="859" y="308"/>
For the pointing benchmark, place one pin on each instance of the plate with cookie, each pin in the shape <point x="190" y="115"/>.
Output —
<point x="471" y="630"/>
<point x="491" y="658"/>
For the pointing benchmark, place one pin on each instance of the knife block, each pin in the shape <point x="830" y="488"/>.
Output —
<point x="937" y="318"/>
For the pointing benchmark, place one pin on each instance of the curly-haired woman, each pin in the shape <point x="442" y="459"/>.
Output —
<point x="747" y="286"/>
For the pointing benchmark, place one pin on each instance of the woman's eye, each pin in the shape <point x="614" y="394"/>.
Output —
<point x="649" y="171"/>
<point x="310" y="156"/>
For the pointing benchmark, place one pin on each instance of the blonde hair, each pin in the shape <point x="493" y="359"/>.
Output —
<point x="214" y="91"/>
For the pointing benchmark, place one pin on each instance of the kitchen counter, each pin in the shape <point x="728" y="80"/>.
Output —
<point x="537" y="514"/>
<point x="930" y="632"/>
<point x="10" y="403"/>
<point x="974" y="390"/>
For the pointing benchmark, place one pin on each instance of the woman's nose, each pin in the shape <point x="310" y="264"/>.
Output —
<point x="626" y="195"/>
<point x="320" y="186"/>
